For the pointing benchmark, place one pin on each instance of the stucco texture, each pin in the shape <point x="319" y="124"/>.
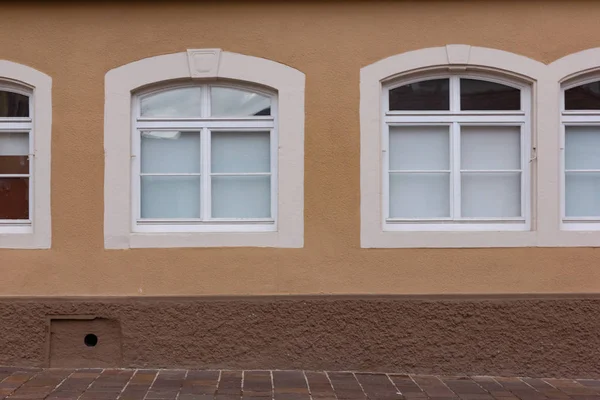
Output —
<point x="536" y="336"/>
<point x="76" y="44"/>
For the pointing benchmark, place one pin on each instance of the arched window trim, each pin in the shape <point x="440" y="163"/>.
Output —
<point x="34" y="233"/>
<point x="565" y="73"/>
<point x="428" y="62"/>
<point x="204" y="65"/>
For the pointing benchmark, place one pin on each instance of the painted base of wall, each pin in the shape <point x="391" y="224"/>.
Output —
<point x="500" y="335"/>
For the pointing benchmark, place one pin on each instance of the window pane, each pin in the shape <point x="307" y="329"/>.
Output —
<point x="228" y="102"/>
<point x="419" y="148"/>
<point x="490" y="147"/>
<point x="14" y="198"/>
<point x="583" y="97"/>
<point x="476" y="94"/>
<point x="13" y="105"/>
<point x="183" y="102"/>
<point x="582" y="197"/>
<point x="14" y="147"/>
<point x="241" y="196"/>
<point x="433" y="94"/>
<point x="491" y="194"/>
<point x="582" y="147"/>
<point x="170" y="152"/>
<point x="170" y="197"/>
<point x="419" y="195"/>
<point x="240" y="152"/>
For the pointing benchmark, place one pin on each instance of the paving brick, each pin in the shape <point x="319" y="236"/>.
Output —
<point x="199" y="383"/>
<point x="378" y="387"/>
<point x="346" y="386"/>
<point x="290" y="385"/>
<point x="434" y="387"/>
<point x="495" y="389"/>
<point x="257" y="384"/>
<point x="230" y="384"/>
<point x="571" y="387"/>
<point x="319" y="385"/>
<point x="407" y="387"/>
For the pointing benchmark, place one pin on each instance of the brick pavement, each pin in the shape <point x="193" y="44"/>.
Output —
<point x="105" y="384"/>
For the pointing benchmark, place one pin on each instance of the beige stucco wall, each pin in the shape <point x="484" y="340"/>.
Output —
<point x="76" y="45"/>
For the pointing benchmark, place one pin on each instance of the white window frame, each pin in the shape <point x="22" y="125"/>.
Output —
<point x="454" y="118"/>
<point x="203" y="65"/>
<point x="34" y="233"/>
<point x="575" y="118"/>
<point x="450" y="59"/>
<point x="205" y="125"/>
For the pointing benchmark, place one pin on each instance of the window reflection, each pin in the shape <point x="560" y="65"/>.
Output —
<point x="229" y="102"/>
<point x="583" y="97"/>
<point x="13" y="105"/>
<point x="476" y="95"/>
<point x="427" y="95"/>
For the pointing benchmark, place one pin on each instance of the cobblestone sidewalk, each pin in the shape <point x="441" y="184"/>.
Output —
<point x="87" y="384"/>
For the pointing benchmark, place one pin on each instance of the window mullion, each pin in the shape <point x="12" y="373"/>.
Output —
<point x="205" y="205"/>
<point x="454" y="93"/>
<point x="455" y="168"/>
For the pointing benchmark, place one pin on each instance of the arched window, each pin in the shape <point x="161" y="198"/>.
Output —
<point x="448" y="153"/>
<point x="205" y="156"/>
<point x="25" y="138"/>
<point x="580" y="117"/>
<point x="15" y="149"/>
<point x="456" y="150"/>
<point x="204" y="148"/>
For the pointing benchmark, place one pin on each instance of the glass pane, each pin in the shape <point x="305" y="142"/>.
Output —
<point x="476" y="94"/>
<point x="583" y="97"/>
<point x="582" y="197"/>
<point x="228" y="102"/>
<point x="14" y="198"/>
<point x="13" y="105"/>
<point x="582" y="147"/>
<point x="14" y="165"/>
<point x="419" y="148"/>
<point x="241" y="196"/>
<point x="488" y="195"/>
<point x="182" y="102"/>
<point x="421" y="195"/>
<point x="433" y="94"/>
<point x="240" y="152"/>
<point x="170" y="197"/>
<point x="14" y="143"/>
<point x="170" y="152"/>
<point x="490" y="147"/>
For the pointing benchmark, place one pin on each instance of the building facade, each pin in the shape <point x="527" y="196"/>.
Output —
<point x="398" y="186"/>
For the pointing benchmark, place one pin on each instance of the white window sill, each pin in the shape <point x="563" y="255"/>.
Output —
<point x="452" y="226"/>
<point x="200" y="239"/>
<point x="449" y="239"/>
<point x="190" y="227"/>
<point x="22" y="237"/>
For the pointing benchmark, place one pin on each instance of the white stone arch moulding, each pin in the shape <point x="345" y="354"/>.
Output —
<point x="39" y="234"/>
<point x="458" y="57"/>
<point x="584" y="64"/>
<point x="120" y="82"/>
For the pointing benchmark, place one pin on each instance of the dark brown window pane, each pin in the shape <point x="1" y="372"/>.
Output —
<point x="484" y="95"/>
<point x="428" y="95"/>
<point x="13" y="104"/>
<point x="14" y="198"/>
<point x="14" y="165"/>
<point x="584" y="97"/>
